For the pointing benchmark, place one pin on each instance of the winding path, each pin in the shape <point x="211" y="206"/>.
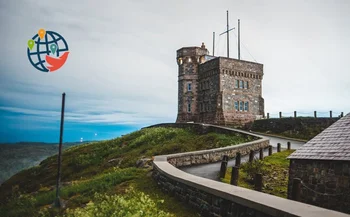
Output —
<point x="210" y="171"/>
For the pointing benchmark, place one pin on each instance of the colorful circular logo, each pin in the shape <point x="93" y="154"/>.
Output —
<point x="47" y="51"/>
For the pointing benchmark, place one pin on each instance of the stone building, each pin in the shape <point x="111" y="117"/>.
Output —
<point x="323" y="165"/>
<point x="218" y="90"/>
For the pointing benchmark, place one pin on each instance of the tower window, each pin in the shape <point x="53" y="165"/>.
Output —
<point x="189" y="87"/>
<point x="237" y="84"/>
<point x="241" y="85"/>
<point x="236" y="105"/>
<point x="246" y="106"/>
<point x="246" y="84"/>
<point x="189" y="107"/>
<point x="241" y="104"/>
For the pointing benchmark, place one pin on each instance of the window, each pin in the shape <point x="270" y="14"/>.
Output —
<point x="241" y="106"/>
<point x="189" y="107"/>
<point x="240" y="84"/>
<point x="246" y="106"/>
<point x="236" y="105"/>
<point x="189" y="87"/>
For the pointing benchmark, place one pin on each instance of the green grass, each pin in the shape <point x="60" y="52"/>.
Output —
<point x="275" y="174"/>
<point x="106" y="167"/>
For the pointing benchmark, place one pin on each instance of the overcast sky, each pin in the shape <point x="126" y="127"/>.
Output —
<point x="121" y="73"/>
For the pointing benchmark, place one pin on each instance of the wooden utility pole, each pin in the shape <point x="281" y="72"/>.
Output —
<point x="228" y="37"/>
<point x="59" y="158"/>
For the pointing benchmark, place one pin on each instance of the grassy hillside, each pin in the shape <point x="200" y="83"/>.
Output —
<point x="95" y="176"/>
<point x="274" y="169"/>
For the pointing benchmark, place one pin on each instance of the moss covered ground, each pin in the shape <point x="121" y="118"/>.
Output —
<point x="107" y="168"/>
<point x="275" y="174"/>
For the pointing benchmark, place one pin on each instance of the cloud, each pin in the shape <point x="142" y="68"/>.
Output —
<point x="122" y="68"/>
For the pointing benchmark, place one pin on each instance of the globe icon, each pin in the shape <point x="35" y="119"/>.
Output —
<point x="41" y="53"/>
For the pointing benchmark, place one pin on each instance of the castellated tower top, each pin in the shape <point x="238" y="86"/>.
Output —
<point x="194" y="55"/>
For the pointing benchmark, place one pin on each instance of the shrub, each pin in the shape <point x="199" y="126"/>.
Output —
<point x="131" y="204"/>
<point x="252" y="168"/>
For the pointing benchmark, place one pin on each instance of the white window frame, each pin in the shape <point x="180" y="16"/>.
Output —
<point x="241" y="106"/>
<point x="246" y="106"/>
<point x="236" y="105"/>
<point x="246" y="86"/>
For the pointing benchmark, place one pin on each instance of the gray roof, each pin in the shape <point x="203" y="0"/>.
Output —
<point x="331" y="144"/>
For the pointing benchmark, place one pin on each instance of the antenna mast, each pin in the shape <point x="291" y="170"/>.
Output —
<point x="213" y="43"/>
<point x="228" y="38"/>
<point x="239" y="39"/>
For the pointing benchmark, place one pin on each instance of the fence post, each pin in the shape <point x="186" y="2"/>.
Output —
<point x="278" y="147"/>
<point x="223" y="166"/>
<point x="315" y="114"/>
<point x="234" y="175"/>
<point x="296" y="189"/>
<point x="295" y="114"/>
<point x="223" y="169"/>
<point x="261" y="154"/>
<point x="251" y="156"/>
<point x="268" y="115"/>
<point x="258" y="182"/>
<point x="280" y="114"/>
<point x="270" y="150"/>
<point x="330" y="114"/>
<point x="341" y="114"/>
<point x="288" y="145"/>
<point x="238" y="159"/>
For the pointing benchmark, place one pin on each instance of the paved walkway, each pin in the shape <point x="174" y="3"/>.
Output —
<point x="210" y="171"/>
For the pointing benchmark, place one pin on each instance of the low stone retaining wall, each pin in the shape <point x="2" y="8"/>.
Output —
<point x="212" y="198"/>
<point x="213" y="155"/>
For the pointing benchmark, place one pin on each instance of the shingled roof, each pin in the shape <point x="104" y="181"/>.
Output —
<point x="331" y="144"/>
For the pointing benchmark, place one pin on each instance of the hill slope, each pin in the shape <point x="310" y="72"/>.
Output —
<point x="107" y="168"/>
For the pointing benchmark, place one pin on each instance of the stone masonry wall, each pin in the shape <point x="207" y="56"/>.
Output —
<point x="188" y="60"/>
<point x="232" y="71"/>
<point x="325" y="177"/>
<point x="205" y="203"/>
<point x="209" y="95"/>
<point x="213" y="155"/>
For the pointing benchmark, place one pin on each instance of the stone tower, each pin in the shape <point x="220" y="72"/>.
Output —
<point x="218" y="90"/>
<point x="188" y="60"/>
